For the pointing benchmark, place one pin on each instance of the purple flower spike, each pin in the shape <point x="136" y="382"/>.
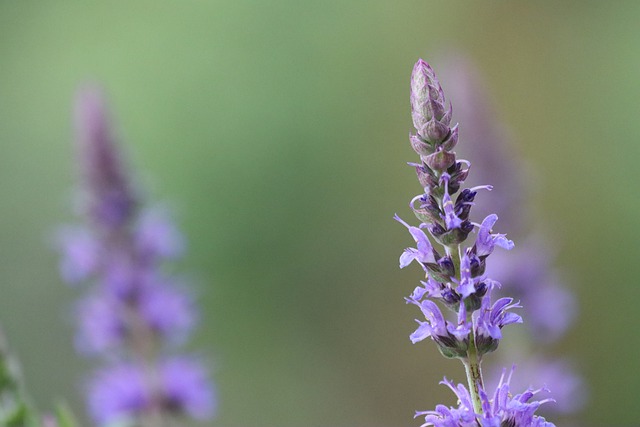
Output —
<point x="485" y="242"/>
<point x="458" y="280"/>
<point x="133" y="314"/>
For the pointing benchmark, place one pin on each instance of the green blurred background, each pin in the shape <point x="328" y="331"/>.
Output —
<point x="278" y="131"/>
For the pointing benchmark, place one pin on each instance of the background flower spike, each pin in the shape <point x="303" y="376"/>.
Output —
<point x="133" y="317"/>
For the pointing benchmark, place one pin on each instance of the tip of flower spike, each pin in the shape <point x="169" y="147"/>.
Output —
<point x="420" y="60"/>
<point x="421" y="63"/>
<point x="90" y="114"/>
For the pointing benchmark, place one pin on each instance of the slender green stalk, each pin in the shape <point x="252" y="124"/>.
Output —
<point x="474" y="374"/>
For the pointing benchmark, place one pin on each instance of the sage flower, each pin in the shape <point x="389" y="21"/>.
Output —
<point x="458" y="279"/>
<point x="133" y="316"/>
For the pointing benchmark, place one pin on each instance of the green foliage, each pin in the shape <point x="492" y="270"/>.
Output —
<point x="14" y="410"/>
<point x="64" y="416"/>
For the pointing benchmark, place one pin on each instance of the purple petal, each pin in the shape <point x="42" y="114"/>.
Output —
<point x="187" y="388"/>
<point x="424" y="331"/>
<point x="80" y="254"/>
<point x="117" y="393"/>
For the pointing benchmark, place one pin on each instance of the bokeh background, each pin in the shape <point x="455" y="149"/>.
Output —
<point x="278" y="132"/>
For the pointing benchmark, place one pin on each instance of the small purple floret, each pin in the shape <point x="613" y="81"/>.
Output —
<point x="424" y="251"/>
<point x="492" y="319"/>
<point x="485" y="242"/>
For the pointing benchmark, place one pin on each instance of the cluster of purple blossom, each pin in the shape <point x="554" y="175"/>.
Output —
<point x="134" y="316"/>
<point x="456" y="274"/>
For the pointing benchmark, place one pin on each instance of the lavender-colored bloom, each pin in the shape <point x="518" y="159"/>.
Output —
<point x="434" y="327"/>
<point x="557" y="375"/>
<point x="467" y="284"/>
<point x="80" y="254"/>
<point x="492" y="319"/>
<point x="168" y="311"/>
<point x="121" y="392"/>
<point x="503" y="409"/>
<point x="528" y="273"/>
<point x="424" y="251"/>
<point x="187" y="389"/>
<point x="133" y="311"/>
<point x="485" y="242"/>
<point x="550" y="308"/>
<point x="459" y="279"/>
<point x="101" y="327"/>
<point x="157" y="237"/>
<point x="451" y="338"/>
<point x="118" y="393"/>
<point x="451" y="220"/>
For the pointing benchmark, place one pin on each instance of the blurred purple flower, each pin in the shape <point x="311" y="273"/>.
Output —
<point x="133" y="311"/>
<point x="101" y="327"/>
<point x="168" y="311"/>
<point x="187" y="388"/>
<point x="528" y="273"/>
<point x="558" y="376"/>
<point x="550" y="308"/>
<point x="80" y="254"/>
<point x="120" y="392"/>
<point x="157" y="237"/>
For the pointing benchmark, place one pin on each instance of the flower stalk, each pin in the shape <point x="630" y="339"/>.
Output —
<point x="457" y="279"/>
<point x="473" y="372"/>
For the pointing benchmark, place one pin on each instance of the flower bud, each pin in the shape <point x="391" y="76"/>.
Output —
<point x="452" y="348"/>
<point x="440" y="160"/>
<point x="452" y="140"/>
<point x="420" y="146"/>
<point x="430" y="118"/>
<point x="436" y="131"/>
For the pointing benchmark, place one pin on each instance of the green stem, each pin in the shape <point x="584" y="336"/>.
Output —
<point x="474" y="374"/>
